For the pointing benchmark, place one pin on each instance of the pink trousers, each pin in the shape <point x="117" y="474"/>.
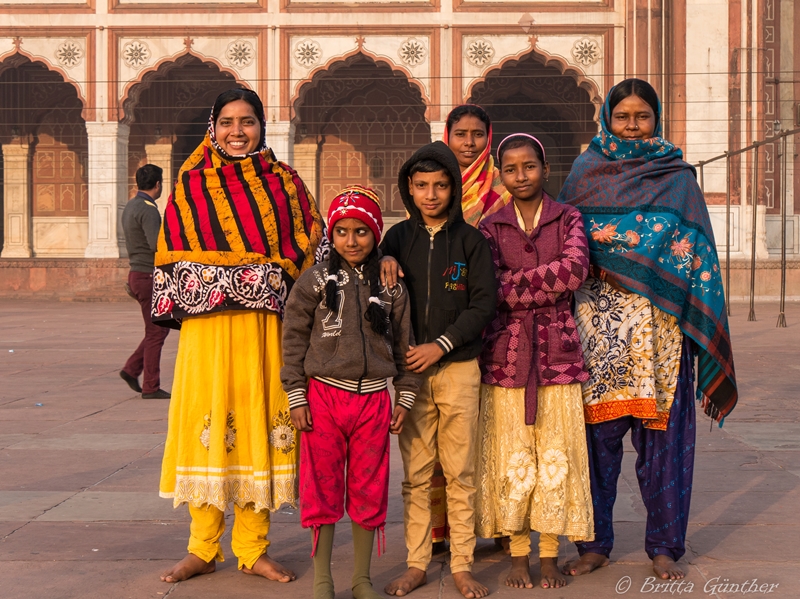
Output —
<point x="348" y="450"/>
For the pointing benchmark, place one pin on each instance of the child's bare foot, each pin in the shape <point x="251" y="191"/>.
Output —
<point x="551" y="577"/>
<point x="189" y="566"/>
<point x="468" y="586"/>
<point x="503" y="543"/>
<point x="270" y="569"/>
<point x="666" y="569"/>
<point x="586" y="563"/>
<point x="520" y="575"/>
<point x="406" y="582"/>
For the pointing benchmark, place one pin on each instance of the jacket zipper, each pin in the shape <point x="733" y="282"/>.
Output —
<point x="361" y="330"/>
<point x="428" y="300"/>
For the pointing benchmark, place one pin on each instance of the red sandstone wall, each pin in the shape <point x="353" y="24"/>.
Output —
<point x="64" y="279"/>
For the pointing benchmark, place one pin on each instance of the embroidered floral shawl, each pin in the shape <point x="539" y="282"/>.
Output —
<point x="483" y="192"/>
<point x="237" y="232"/>
<point x="648" y="225"/>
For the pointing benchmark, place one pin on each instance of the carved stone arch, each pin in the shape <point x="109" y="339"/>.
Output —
<point x="548" y="60"/>
<point x="168" y="109"/>
<point x="353" y="123"/>
<point x="133" y="89"/>
<point x="19" y="58"/>
<point x="348" y="60"/>
<point x="541" y="96"/>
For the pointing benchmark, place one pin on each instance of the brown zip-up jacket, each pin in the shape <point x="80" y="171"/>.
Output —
<point x="321" y="344"/>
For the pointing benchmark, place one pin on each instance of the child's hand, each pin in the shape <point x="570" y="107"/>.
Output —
<point x="390" y="271"/>
<point x="421" y="357"/>
<point x="301" y="419"/>
<point x="398" y="416"/>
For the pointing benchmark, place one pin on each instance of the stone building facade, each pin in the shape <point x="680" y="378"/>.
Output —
<point x="91" y="89"/>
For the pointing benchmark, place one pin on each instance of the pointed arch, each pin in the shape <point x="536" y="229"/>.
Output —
<point x="348" y="59"/>
<point x="547" y="60"/>
<point x="134" y="88"/>
<point x="19" y="57"/>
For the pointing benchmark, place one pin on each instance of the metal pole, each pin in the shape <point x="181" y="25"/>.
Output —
<point x="728" y="234"/>
<point x="752" y="315"/>
<point x="784" y="166"/>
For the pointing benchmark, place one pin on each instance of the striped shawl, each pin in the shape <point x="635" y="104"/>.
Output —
<point x="236" y="234"/>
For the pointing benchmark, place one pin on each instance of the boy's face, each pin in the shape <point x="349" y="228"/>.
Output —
<point x="432" y="193"/>
<point x="353" y="241"/>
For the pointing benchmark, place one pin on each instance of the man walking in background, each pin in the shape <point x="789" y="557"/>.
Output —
<point x="141" y="222"/>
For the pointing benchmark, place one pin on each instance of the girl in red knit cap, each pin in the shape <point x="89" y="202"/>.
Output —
<point x="343" y="336"/>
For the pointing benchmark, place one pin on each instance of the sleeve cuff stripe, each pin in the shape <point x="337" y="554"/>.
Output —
<point x="445" y="343"/>
<point x="406" y="399"/>
<point x="297" y="398"/>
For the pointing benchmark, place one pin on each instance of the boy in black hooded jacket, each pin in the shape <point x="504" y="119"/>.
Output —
<point x="449" y="274"/>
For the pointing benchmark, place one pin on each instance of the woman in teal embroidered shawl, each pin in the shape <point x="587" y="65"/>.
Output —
<point x="654" y="302"/>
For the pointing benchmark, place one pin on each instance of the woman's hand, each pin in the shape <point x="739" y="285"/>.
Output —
<point x="390" y="271"/>
<point x="398" y="416"/>
<point x="301" y="419"/>
<point x="421" y="357"/>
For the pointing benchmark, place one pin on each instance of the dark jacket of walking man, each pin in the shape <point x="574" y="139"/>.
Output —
<point x="141" y="222"/>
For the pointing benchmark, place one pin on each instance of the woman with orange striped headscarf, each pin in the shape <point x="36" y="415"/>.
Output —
<point x="238" y="230"/>
<point x="468" y="133"/>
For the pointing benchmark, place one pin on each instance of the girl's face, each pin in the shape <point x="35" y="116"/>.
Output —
<point x="633" y="118"/>
<point x="238" y="129"/>
<point x="468" y="138"/>
<point x="353" y="241"/>
<point x="523" y="173"/>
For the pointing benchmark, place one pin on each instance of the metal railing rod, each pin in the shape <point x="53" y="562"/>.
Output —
<point x="752" y="315"/>
<point x="784" y="166"/>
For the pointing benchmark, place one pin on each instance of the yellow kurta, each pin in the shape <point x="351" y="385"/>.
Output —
<point x="539" y="472"/>
<point x="230" y="438"/>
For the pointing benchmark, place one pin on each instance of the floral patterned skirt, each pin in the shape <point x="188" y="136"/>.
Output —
<point x="229" y="437"/>
<point x="538" y="472"/>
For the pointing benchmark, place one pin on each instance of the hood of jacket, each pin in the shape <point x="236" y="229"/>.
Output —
<point x="442" y="154"/>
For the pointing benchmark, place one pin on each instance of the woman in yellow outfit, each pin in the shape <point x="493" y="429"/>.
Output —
<point x="238" y="231"/>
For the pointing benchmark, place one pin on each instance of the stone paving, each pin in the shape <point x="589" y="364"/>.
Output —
<point x="80" y="455"/>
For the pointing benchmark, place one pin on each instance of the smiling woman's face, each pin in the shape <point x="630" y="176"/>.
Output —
<point x="633" y="118"/>
<point x="468" y="138"/>
<point x="238" y="129"/>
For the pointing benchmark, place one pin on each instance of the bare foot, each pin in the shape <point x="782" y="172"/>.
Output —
<point x="520" y="575"/>
<point x="189" y="566"/>
<point x="586" y="563"/>
<point x="666" y="569"/>
<point x="406" y="582"/>
<point x="551" y="577"/>
<point x="468" y="586"/>
<point x="270" y="569"/>
<point x="503" y="543"/>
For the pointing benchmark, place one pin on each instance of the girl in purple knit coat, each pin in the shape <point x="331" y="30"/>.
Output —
<point x="533" y="471"/>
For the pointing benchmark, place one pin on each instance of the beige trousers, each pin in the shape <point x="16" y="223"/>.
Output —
<point x="442" y="424"/>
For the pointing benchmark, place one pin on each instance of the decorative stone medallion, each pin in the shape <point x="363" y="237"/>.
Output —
<point x="412" y="52"/>
<point x="69" y="54"/>
<point x="480" y="52"/>
<point x="586" y="52"/>
<point x="307" y="53"/>
<point x="240" y="53"/>
<point x="135" y="54"/>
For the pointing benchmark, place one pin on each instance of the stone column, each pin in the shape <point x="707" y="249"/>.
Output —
<point x="108" y="188"/>
<point x="437" y="130"/>
<point x="280" y="137"/>
<point x="161" y="155"/>
<point x="17" y="195"/>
